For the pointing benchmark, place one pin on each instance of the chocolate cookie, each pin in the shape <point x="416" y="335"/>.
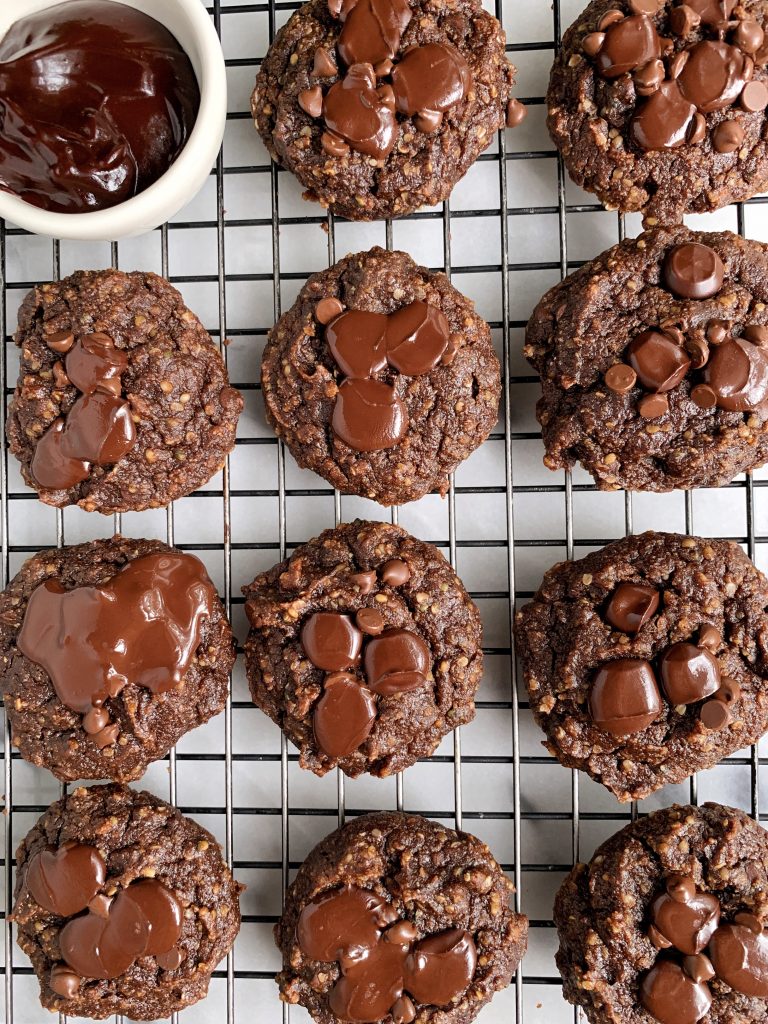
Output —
<point x="653" y="362"/>
<point x="668" y="921"/>
<point x="381" y="377"/>
<point x="647" y="661"/>
<point x="123" y="905"/>
<point x="660" y="107"/>
<point x="110" y="652"/>
<point x="364" y="648"/>
<point x="123" y="403"/>
<point x="381" y="106"/>
<point x="429" y="907"/>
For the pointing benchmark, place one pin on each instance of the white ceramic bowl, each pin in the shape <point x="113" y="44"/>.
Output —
<point x="192" y="26"/>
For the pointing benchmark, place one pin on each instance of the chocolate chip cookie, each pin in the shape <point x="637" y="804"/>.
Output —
<point x="381" y="377"/>
<point x="364" y="648"/>
<point x="660" y="107"/>
<point x="670" y="915"/>
<point x="109" y="653"/>
<point x="430" y="908"/>
<point x="381" y="106"/>
<point x="653" y="362"/>
<point x="123" y="402"/>
<point x="647" y="661"/>
<point x="123" y="905"/>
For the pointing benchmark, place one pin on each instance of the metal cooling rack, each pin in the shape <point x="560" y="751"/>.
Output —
<point x="239" y="253"/>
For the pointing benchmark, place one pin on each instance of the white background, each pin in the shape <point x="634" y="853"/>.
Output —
<point x="489" y="514"/>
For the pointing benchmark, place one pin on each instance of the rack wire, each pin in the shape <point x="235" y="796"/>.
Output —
<point x="503" y="523"/>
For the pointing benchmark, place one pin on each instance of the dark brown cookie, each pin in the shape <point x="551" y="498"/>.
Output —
<point x="381" y="107"/>
<point x="123" y="402"/>
<point x="653" y="362"/>
<point x="364" y="648"/>
<point x="659" y="107"/>
<point x="127" y="685"/>
<point x="123" y="905"/>
<point x="431" y="907"/>
<point x="381" y="377"/>
<point x="667" y="921"/>
<point x="646" y="661"/>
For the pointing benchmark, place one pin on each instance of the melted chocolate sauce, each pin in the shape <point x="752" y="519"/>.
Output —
<point x="96" y="102"/>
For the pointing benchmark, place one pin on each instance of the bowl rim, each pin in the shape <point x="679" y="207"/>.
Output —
<point x="183" y="179"/>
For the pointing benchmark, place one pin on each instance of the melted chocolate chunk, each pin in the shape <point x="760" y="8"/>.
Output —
<point x="357" y="342"/>
<point x="96" y="100"/>
<point x="331" y="641"/>
<point x="395" y="572"/>
<point x="433" y="77"/>
<point x="660" y="363"/>
<point x="665" y="121"/>
<point x="369" y="415"/>
<point x="737" y="372"/>
<point x="142" y="627"/>
<point x="396" y="662"/>
<point x="714" y="75"/>
<point x="143" y="920"/>
<point x="625" y="696"/>
<point x="344" y="716"/>
<point x="66" y="879"/>
<point x="628" y="44"/>
<point x="99" y="429"/>
<point x="416" y="338"/>
<point x="372" y="30"/>
<point x="740" y="957"/>
<point x="693" y="271"/>
<point x="688" y="674"/>
<point x="672" y="997"/>
<point x="685" y="917"/>
<point x="363" y="117"/>
<point x="631" y="606"/>
<point x="379" y="966"/>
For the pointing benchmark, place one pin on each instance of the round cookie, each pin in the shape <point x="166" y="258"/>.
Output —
<point x="123" y="905"/>
<point x="123" y="403"/>
<point x="128" y="684"/>
<point x="646" y="661"/>
<point x="364" y="648"/>
<point x="381" y="106"/>
<point x="429" y="905"/>
<point x="381" y="377"/>
<point x="653" y="362"/>
<point x="667" y="922"/>
<point x="659" y="107"/>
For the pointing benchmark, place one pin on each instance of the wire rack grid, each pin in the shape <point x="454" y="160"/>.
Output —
<point x="239" y="253"/>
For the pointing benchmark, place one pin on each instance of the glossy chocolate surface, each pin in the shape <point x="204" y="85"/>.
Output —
<point x="96" y="102"/>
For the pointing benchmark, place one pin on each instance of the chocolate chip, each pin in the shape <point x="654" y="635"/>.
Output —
<point x="659" y="941"/>
<point x="683" y="20"/>
<point x="651" y="407"/>
<point x="677" y="63"/>
<point x="757" y="335"/>
<point x="428" y="121"/>
<point x="649" y="7"/>
<point x="714" y="715"/>
<point x="729" y="691"/>
<point x="688" y="673"/>
<point x="703" y="396"/>
<point x="648" y="78"/>
<point x="395" y="572"/>
<point x="698" y="967"/>
<point x="697" y="130"/>
<point x="718" y="331"/>
<point x="751" y="921"/>
<point x="333" y="145"/>
<point x="659" y="362"/>
<point x="610" y="18"/>
<point x="324" y="66"/>
<point x="698" y="350"/>
<point x="516" y="113"/>
<point x="727" y="137"/>
<point x="370" y="621"/>
<point x="749" y="36"/>
<point x="754" y="97"/>
<point x="621" y="378"/>
<point x="60" y="341"/>
<point x="327" y="309"/>
<point x="625" y="697"/>
<point x="311" y="101"/>
<point x="364" y="581"/>
<point x="592" y="43"/>
<point x="710" y="638"/>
